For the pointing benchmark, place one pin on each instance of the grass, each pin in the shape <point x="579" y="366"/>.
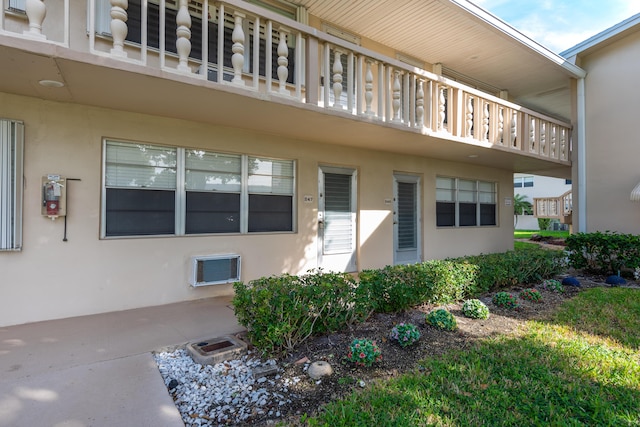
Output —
<point x="521" y="246"/>
<point x="580" y="368"/>
<point x="526" y="234"/>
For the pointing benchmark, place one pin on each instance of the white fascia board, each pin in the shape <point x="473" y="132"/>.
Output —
<point x="602" y="36"/>
<point x="516" y="35"/>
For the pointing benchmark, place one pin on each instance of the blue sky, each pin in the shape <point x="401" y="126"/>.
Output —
<point x="561" y="24"/>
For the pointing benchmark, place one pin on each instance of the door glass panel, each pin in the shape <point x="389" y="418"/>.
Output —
<point x="337" y="210"/>
<point x="407" y="215"/>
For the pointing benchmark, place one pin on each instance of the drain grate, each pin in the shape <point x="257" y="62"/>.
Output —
<point x="216" y="350"/>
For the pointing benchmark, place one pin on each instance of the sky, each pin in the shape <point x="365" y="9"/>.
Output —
<point x="561" y="24"/>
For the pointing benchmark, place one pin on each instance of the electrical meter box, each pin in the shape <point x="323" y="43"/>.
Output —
<point x="54" y="196"/>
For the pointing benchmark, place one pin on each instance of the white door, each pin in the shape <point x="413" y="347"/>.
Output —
<point x="337" y="219"/>
<point x="406" y="219"/>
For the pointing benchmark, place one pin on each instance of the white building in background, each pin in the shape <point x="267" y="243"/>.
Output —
<point x="536" y="186"/>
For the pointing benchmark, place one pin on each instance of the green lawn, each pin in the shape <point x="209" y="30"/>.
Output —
<point x="580" y="368"/>
<point x="526" y="234"/>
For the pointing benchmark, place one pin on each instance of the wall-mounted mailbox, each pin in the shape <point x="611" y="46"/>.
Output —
<point x="54" y="196"/>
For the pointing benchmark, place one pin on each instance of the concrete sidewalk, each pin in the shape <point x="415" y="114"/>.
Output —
<point x="98" y="370"/>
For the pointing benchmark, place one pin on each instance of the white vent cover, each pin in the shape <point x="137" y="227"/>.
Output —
<point x="215" y="269"/>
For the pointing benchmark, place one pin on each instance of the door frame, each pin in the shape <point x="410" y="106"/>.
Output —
<point x="412" y="179"/>
<point x="353" y="173"/>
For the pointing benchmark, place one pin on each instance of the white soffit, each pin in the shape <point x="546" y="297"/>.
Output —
<point x="635" y="193"/>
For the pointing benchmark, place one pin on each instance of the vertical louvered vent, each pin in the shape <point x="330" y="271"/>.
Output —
<point x="215" y="270"/>
<point x="11" y="155"/>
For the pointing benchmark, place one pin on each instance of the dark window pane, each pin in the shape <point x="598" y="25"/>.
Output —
<point x="567" y="182"/>
<point x="445" y="214"/>
<point x="517" y="184"/>
<point x="467" y="214"/>
<point x="528" y="183"/>
<point x="270" y="213"/>
<point x="212" y="213"/>
<point x="140" y="212"/>
<point x="487" y="214"/>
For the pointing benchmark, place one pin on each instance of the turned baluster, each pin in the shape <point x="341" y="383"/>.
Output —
<point x="183" y="33"/>
<point x="119" y="26"/>
<point x="420" y="104"/>
<point x="513" y="137"/>
<point x="395" y="104"/>
<point x="441" y="107"/>
<point x="368" y="90"/>
<point x="283" y="62"/>
<point x="500" y="138"/>
<point x="337" y="80"/>
<point x="485" y="122"/>
<point x="237" y="59"/>
<point x="36" y="11"/>
<point x="469" y="115"/>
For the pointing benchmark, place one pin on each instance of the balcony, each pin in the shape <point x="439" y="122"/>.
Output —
<point x="560" y="208"/>
<point x="251" y="68"/>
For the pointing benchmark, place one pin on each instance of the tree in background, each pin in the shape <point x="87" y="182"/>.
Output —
<point x="521" y="207"/>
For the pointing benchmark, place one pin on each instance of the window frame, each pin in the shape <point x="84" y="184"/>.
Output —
<point x="456" y="203"/>
<point x="11" y="184"/>
<point x="181" y="190"/>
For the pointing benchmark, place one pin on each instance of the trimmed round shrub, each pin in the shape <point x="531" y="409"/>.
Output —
<point x="442" y="319"/>
<point x="364" y="352"/>
<point x="505" y="300"/>
<point x="405" y="333"/>
<point x="531" y="294"/>
<point x="475" y="309"/>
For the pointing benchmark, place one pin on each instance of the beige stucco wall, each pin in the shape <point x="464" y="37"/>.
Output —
<point x="613" y="151"/>
<point x="50" y="278"/>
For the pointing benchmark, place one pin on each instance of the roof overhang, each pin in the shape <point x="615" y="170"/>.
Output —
<point x="462" y="37"/>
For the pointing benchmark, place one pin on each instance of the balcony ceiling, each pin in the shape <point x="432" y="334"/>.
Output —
<point x="462" y="38"/>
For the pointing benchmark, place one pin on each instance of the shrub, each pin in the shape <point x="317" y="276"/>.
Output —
<point x="603" y="253"/>
<point x="280" y="312"/>
<point x="496" y="271"/>
<point x="544" y="223"/>
<point x="505" y="300"/>
<point x="531" y="295"/>
<point x="442" y="319"/>
<point x="405" y="333"/>
<point x="364" y="352"/>
<point x="552" y="285"/>
<point x="400" y="287"/>
<point x="475" y="309"/>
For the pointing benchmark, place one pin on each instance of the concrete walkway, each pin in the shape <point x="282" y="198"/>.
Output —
<point x="98" y="370"/>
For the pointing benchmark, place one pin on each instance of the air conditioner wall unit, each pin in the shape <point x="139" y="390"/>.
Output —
<point x="214" y="269"/>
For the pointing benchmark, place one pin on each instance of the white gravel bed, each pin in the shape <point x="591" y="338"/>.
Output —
<point x="223" y="394"/>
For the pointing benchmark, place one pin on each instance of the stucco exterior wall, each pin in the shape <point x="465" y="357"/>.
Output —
<point x="51" y="279"/>
<point x="613" y="151"/>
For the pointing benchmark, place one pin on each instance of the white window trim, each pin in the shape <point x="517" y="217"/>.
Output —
<point x="181" y="194"/>
<point x="478" y="203"/>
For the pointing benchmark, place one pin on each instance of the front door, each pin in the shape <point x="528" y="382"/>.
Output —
<point x="337" y="219"/>
<point x="406" y="219"/>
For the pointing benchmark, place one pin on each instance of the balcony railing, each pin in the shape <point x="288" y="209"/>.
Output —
<point x="554" y="207"/>
<point x="248" y="47"/>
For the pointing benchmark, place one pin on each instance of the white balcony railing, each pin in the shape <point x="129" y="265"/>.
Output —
<point x="255" y="49"/>
<point x="554" y="207"/>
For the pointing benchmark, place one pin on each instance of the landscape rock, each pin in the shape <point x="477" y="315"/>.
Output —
<point x="571" y="281"/>
<point x="614" y="280"/>
<point x="319" y="369"/>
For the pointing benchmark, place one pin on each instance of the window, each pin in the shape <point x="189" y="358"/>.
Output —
<point x="11" y="155"/>
<point x="465" y="203"/>
<point x="522" y="181"/>
<point x="222" y="193"/>
<point x="567" y="182"/>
